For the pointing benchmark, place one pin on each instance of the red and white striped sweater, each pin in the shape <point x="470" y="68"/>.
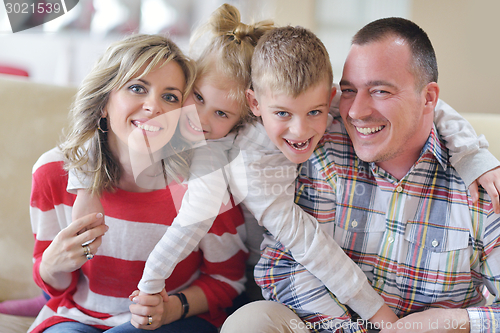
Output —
<point x="98" y="294"/>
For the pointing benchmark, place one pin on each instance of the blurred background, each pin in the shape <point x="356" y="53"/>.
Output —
<point x="464" y="34"/>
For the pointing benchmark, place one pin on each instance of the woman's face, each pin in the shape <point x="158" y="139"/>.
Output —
<point x="143" y="114"/>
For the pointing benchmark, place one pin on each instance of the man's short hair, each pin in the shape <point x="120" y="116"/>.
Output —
<point x="290" y="60"/>
<point x="424" y="66"/>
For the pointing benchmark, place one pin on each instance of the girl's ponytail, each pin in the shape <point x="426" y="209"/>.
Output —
<point x="228" y="52"/>
<point x="226" y="20"/>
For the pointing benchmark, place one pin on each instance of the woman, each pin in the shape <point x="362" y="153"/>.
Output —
<point x="92" y="265"/>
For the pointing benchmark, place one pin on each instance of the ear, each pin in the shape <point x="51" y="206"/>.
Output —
<point x="253" y="103"/>
<point x="431" y="97"/>
<point x="104" y="113"/>
<point x="333" y="93"/>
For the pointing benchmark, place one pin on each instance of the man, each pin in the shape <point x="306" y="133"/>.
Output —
<point x="392" y="200"/>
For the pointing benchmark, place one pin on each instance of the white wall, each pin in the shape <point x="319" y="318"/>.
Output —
<point x="465" y="36"/>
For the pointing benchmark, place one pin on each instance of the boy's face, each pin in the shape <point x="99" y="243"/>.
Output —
<point x="294" y="124"/>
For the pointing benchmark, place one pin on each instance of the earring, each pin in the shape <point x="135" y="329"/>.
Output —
<point x="103" y="127"/>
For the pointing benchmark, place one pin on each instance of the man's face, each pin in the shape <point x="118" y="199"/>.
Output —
<point x="294" y="124"/>
<point x="386" y="118"/>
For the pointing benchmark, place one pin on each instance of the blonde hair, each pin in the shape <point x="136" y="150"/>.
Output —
<point x="290" y="60"/>
<point x="86" y="147"/>
<point x="226" y="60"/>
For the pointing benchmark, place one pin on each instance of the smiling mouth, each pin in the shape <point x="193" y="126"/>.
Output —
<point x="146" y="127"/>
<point x="369" y="130"/>
<point x="197" y="129"/>
<point x="299" y="145"/>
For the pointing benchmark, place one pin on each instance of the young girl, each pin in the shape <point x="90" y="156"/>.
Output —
<point x="138" y="85"/>
<point x="252" y="167"/>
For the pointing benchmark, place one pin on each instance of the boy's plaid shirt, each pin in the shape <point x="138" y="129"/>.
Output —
<point x="421" y="241"/>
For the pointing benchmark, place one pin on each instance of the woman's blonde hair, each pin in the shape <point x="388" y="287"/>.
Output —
<point x="226" y="60"/>
<point x="86" y="147"/>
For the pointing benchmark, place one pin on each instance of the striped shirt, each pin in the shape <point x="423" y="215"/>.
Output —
<point x="421" y="241"/>
<point x="98" y="294"/>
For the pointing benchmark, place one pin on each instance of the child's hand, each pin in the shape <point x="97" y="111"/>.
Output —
<point x="86" y="204"/>
<point x="383" y="316"/>
<point x="490" y="181"/>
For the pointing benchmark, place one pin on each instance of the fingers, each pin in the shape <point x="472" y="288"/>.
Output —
<point x="493" y="192"/>
<point x="490" y="181"/>
<point x="147" y="310"/>
<point x="132" y="296"/>
<point x="86" y="222"/>
<point x="147" y="300"/>
<point x="145" y="322"/>
<point x="474" y="191"/>
<point x="92" y="236"/>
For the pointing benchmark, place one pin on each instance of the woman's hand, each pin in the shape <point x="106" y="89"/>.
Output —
<point x="66" y="254"/>
<point x="161" y="308"/>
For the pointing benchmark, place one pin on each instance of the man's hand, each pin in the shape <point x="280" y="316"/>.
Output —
<point x="490" y="181"/>
<point x="431" y="321"/>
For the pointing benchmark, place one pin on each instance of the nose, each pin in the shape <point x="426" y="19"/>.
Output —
<point x="361" y="106"/>
<point x="153" y="105"/>
<point x="298" y="127"/>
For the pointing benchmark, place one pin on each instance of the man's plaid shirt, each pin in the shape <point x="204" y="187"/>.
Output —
<point x="421" y="241"/>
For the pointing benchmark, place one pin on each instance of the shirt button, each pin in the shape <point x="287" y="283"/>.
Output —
<point x="380" y="282"/>
<point x="399" y="189"/>
<point x="435" y="243"/>
<point x="391" y="239"/>
<point x="354" y="223"/>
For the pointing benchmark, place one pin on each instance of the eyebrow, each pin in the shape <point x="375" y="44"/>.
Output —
<point x="276" y="106"/>
<point x="167" y="88"/>
<point x="369" y="83"/>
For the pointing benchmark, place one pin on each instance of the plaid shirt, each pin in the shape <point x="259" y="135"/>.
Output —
<point x="421" y="241"/>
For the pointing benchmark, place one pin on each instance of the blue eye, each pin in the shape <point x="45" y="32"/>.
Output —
<point x="314" y="112"/>
<point x="172" y="98"/>
<point x="282" y="114"/>
<point x="221" y="113"/>
<point x="137" y="88"/>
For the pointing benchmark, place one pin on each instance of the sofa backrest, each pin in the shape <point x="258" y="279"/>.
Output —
<point x="33" y="116"/>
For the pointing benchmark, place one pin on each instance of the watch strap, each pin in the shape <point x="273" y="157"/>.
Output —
<point x="184" y="302"/>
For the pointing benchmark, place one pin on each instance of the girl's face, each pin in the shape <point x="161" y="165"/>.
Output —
<point x="143" y="114"/>
<point x="208" y="113"/>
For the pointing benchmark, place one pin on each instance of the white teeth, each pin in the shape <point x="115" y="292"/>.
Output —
<point x="146" y="127"/>
<point x="369" y="130"/>
<point x="300" y="145"/>
<point x="194" y="127"/>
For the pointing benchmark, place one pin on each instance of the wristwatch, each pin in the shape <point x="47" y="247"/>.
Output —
<point x="184" y="302"/>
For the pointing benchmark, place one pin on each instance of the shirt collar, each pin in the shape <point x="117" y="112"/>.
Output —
<point x="436" y="147"/>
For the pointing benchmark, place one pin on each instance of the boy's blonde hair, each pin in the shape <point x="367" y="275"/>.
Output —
<point x="86" y="146"/>
<point x="226" y="60"/>
<point x="290" y="60"/>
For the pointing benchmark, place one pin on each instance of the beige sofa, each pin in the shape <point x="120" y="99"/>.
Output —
<point x="33" y="116"/>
